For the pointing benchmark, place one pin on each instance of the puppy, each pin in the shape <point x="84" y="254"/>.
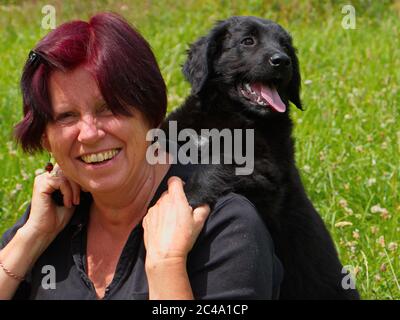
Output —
<point x="244" y="74"/>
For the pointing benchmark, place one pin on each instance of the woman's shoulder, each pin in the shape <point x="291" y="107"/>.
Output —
<point x="238" y="207"/>
<point x="234" y="216"/>
<point x="234" y="257"/>
<point x="234" y="199"/>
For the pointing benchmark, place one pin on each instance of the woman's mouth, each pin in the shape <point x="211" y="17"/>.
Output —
<point x="100" y="157"/>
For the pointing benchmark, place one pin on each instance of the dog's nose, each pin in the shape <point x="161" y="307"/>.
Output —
<point x="279" y="60"/>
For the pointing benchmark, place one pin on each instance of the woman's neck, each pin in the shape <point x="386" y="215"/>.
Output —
<point x="124" y="209"/>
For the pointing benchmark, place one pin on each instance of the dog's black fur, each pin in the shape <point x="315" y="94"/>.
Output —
<point x="217" y="66"/>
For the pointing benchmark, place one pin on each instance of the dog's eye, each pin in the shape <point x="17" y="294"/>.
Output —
<point x="285" y="47"/>
<point x="248" y="41"/>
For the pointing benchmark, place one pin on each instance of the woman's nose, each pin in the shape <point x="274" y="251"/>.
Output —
<point x="90" y="131"/>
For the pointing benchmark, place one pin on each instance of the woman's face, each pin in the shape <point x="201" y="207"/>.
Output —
<point x="98" y="150"/>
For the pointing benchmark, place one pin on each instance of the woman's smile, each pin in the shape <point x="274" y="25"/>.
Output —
<point x="101" y="158"/>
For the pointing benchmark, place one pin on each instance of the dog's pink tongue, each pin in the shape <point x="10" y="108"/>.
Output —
<point x="272" y="96"/>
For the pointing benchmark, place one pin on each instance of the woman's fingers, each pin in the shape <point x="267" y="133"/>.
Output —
<point x="162" y="197"/>
<point x="62" y="184"/>
<point x="45" y="216"/>
<point x="175" y="187"/>
<point x="171" y="226"/>
<point x="66" y="191"/>
<point x="69" y="189"/>
<point x="76" y="192"/>
<point x="200" y="214"/>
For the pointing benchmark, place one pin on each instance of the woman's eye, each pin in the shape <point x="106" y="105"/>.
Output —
<point x="248" y="41"/>
<point x="65" y="118"/>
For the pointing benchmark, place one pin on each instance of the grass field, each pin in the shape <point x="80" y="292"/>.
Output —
<point x="347" y="139"/>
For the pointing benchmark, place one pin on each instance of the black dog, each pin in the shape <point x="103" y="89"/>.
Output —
<point x="243" y="75"/>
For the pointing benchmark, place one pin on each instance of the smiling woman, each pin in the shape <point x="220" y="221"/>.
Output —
<point x="91" y="92"/>
<point x="88" y="141"/>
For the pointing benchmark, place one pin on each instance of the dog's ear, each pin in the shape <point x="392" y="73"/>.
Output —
<point x="198" y="67"/>
<point x="295" y="83"/>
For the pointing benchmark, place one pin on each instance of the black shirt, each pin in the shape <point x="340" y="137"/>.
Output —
<point x="233" y="257"/>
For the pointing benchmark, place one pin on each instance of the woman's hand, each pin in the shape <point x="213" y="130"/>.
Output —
<point x="171" y="226"/>
<point x="46" y="219"/>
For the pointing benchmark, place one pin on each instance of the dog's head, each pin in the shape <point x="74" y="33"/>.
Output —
<point x="251" y="59"/>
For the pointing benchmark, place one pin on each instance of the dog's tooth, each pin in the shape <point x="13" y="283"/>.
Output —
<point x="262" y="102"/>
<point x="248" y="88"/>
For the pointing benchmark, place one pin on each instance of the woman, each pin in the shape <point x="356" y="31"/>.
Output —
<point x="91" y="92"/>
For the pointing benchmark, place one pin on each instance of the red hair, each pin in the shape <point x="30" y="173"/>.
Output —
<point x="118" y="57"/>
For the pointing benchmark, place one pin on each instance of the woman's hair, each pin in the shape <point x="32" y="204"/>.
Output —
<point x="117" y="56"/>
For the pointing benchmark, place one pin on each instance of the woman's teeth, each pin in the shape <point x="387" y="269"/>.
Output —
<point x="99" y="157"/>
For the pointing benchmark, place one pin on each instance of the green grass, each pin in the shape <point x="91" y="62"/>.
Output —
<point x="347" y="140"/>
